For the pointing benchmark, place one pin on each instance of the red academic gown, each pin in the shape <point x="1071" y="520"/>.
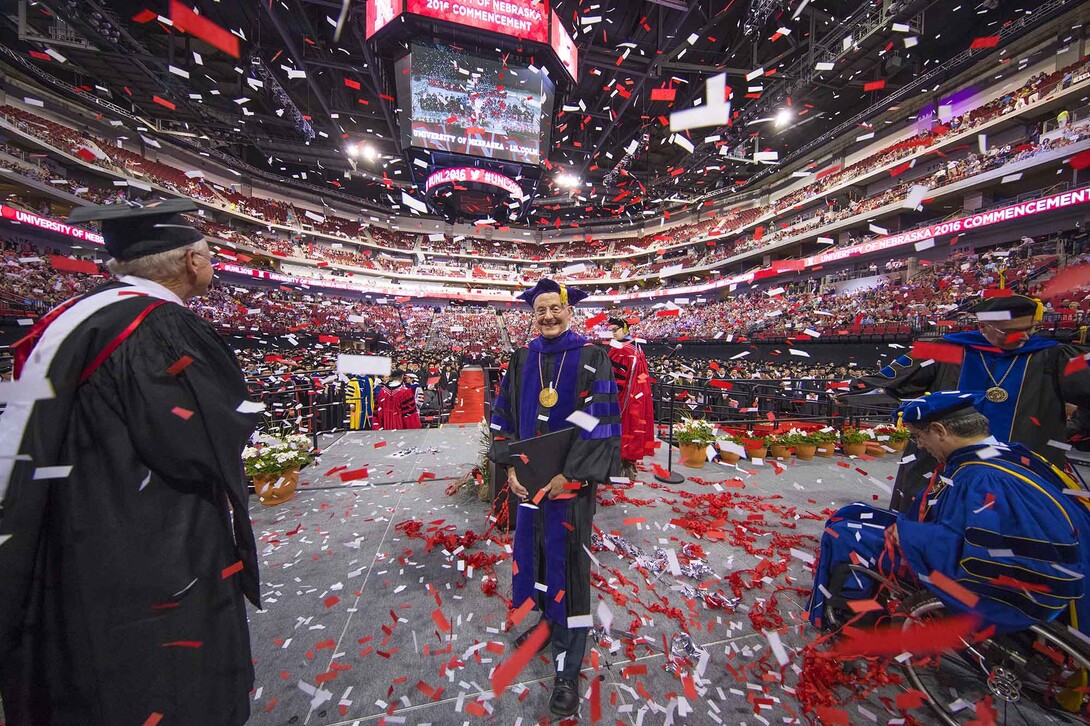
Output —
<point x="634" y="395"/>
<point x="395" y="408"/>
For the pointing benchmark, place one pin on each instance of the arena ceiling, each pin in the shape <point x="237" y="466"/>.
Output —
<point x="295" y="98"/>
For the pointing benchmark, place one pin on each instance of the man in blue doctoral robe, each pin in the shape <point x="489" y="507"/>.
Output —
<point x="995" y="519"/>
<point x="558" y="374"/>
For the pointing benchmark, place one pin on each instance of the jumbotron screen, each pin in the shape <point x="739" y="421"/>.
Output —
<point x="469" y="105"/>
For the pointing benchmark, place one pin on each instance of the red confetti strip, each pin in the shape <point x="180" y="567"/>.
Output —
<point x="145" y="16"/>
<point x="184" y="644"/>
<point x="1075" y="365"/>
<point x="663" y="94"/>
<point x="954" y="589"/>
<point x="874" y="86"/>
<point x="347" y="476"/>
<point x="155" y="717"/>
<point x="230" y="570"/>
<point x="331" y="601"/>
<point x="934" y="637"/>
<point x="188" y="21"/>
<point x="165" y="103"/>
<point x="507" y="671"/>
<point x="179" y="365"/>
<point x="522" y="611"/>
<point x="634" y="520"/>
<point x="182" y="413"/>
<point x="938" y="352"/>
<point x="441" y="621"/>
<point x="988" y="41"/>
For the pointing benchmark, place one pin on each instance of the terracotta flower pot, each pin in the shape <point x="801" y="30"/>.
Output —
<point x="729" y="457"/>
<point x="276" y="488"/>
<point x="826" y="450"/>
<point x="693" y="455"/>
<point x="897" y="445"/>
<point x="805" y="452"/>
<point x="760" y="453"/>
<point x="779" y="451"/>
<point x="855" y="449"/>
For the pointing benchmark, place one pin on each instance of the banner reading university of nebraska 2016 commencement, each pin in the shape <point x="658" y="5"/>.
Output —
<point x="521" y="18"/>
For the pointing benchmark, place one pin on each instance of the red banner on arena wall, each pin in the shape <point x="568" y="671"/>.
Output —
<point x="70" y="264"/>
<point x="528" y="19"/>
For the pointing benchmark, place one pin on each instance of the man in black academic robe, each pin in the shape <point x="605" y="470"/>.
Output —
<point x="126" y="551"/>
<point x="1025" y="380"/>
<point x="558" y="374"/>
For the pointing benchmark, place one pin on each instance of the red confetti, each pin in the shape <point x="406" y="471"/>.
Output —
<point x="347" y="476"/>
<point x="522" y="611"/>
<point x="988" y="41"/>
<point x="182" y="413"/>
<point x="663" y="94"/>
<point x="230" y="570"/>
<point x="188" y="21"/>
<point x="154" y="718"/>
<point x="179" y="365"/>
<point x="352" y="84"/>
<point x="145" y="16"/>
<point x="184" y="644"/>
<point x="954" y="589"/>
<point x="1080" y="161"/>
<point x="874" y="86"/>
<point x="938" y="352"/>
<point x="331" y="601"/>
<point x="934" y="637"/>
<point x="1075" y="365"/>
<point x="507" y="671"/>
<point x="441" y="621"/>
<point x="164" y="102"/>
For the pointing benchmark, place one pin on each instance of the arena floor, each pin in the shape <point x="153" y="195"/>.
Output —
<point x="351" y="629"/>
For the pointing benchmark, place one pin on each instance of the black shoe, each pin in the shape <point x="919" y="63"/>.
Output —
<point x="565" y="700"/>
<point x="523" y="638"/>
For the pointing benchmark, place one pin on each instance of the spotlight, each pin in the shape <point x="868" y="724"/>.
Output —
<point x="352" y="150"/>
<point x="567" y="181"/>
<point x="369" y="152"/>
<point x="783" y="117"/>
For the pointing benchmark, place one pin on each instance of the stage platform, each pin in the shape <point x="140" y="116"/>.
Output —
<point x="355" y="609"/>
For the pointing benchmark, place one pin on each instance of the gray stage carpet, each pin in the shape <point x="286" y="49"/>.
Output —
<point x="351" y="631"/>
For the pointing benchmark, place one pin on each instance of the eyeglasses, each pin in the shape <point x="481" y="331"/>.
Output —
<point x="1029" y="330"/>
<point x="551" y="310"/>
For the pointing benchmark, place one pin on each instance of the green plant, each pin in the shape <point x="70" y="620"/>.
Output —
<point x="696" y="432"/>
<point x="274" y="455"/>
<point x="893" y="433"/>
<point x="821" y="437"/>
<point x="754" y="440"/>
<point x="853" y="435"/>
<point x="791" y="438"/>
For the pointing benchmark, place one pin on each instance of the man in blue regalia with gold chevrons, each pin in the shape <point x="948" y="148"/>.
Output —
<point x="557" y="374"/>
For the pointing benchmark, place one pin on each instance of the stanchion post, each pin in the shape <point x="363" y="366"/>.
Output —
<point x="671" y="477"/>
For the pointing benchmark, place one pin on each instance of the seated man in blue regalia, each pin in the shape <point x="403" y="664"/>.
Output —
<point x="995" y="519"/>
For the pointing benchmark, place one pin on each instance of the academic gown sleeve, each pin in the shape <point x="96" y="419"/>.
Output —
<point x="504" y="421"/>
<point x="903" y="378"/>
<point x="1073" y="378"/>
<point x="179" y="387"/>
<point x="595" y="455"/>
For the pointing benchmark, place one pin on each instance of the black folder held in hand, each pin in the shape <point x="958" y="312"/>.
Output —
<point x="537" y="460"/>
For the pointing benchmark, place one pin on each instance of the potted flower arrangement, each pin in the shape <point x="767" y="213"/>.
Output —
<point x="779" y="445"/>
<point x="854" y="440"/>
<point x="694" y="436"/>
<point x="895" y="437"/>
<point x="824" y="442"/>
<point x="805" y="445"/>
<point x="729" y="448"/>
<point x="273" y="463"/>
<point x="755" y="444"/>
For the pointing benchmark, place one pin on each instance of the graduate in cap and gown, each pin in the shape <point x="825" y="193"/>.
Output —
<point x="126" y="551"/>
<point x="994" y="519"/>
<point x="395" y="405"/>
<point x="1024" y="381"/>
<point x="634" y="395"/>
<point x="557" y="374"/>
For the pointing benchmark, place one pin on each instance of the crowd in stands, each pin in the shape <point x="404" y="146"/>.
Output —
<point x="730" y="224"/>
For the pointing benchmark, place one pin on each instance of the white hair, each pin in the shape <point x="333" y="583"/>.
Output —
<point x="160" y="266"/>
